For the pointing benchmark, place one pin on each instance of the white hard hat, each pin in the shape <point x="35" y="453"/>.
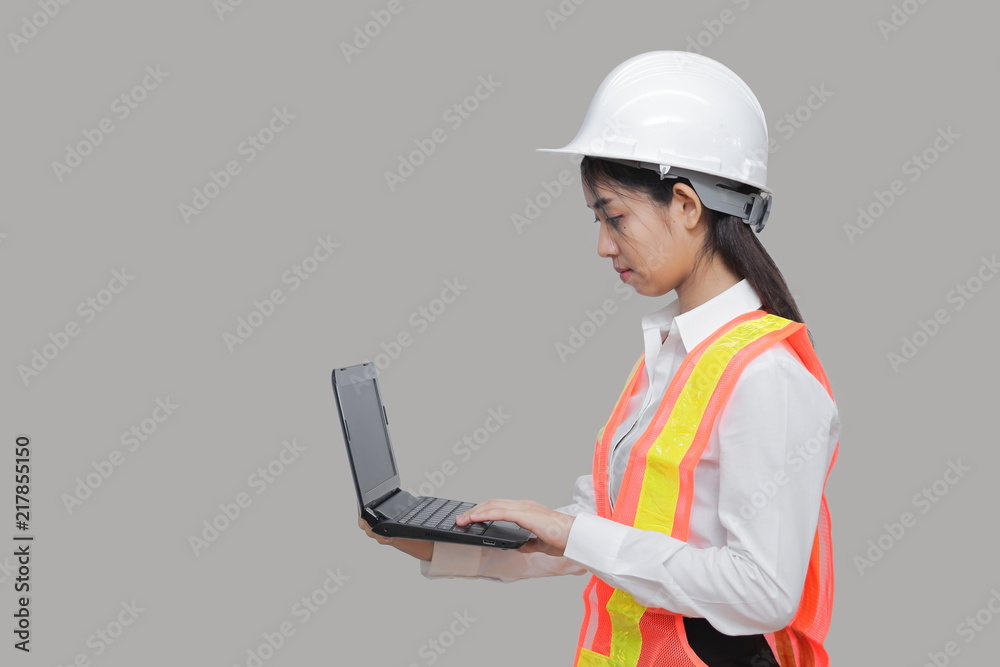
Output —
<point x="683" y="115"/>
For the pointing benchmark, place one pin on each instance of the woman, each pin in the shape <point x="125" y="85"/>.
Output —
<point x="704" y="521"/>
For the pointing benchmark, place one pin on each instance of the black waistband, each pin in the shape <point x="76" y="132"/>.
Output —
<point x="718" y="650"/>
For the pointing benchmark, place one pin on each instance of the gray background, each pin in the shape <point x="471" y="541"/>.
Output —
<point x="494" y="346"/>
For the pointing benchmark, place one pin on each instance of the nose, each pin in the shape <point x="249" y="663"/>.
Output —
<point x="606" y="247"/>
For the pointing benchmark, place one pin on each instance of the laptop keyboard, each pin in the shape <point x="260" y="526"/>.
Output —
<point x="440" y="513"/>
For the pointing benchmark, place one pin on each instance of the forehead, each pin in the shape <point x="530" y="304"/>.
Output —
<point x="599" y="196"/>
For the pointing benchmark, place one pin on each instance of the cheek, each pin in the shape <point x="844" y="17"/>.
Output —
<point x="659" y="255"/>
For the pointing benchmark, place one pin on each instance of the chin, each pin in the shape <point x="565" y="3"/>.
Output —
<point x="646" y="290"/>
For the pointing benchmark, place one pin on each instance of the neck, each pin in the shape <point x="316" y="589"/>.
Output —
<point x="702" y="285"/>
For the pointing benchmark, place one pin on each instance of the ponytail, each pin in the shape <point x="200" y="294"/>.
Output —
<point x="737" y="245"/>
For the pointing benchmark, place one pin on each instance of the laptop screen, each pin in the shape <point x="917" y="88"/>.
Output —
<point x="369" y="442"/>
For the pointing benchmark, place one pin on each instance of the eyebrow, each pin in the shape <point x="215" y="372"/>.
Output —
<point x="600" y="203"/>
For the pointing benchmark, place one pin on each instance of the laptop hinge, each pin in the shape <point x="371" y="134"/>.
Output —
<point x="393" y="505"/>
<point x="372" y="507"/>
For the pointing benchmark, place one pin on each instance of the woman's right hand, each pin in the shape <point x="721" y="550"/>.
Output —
<point x="421" y="549"/>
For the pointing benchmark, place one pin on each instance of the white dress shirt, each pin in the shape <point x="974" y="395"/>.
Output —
<point x="757" y="491"/>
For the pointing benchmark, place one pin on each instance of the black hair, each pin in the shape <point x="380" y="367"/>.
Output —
<point x="727" y="236"/>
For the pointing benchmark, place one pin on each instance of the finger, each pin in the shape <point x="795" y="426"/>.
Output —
<point x="370" y="533"/>
<point x="479" y="512"/>
<point x="464" y="517"/>
<point x="518" y="511"/>
<point x="381" y="539"/>
<point x="483" y="513"/>
<point x="488" y="512"/>
<point x="520" y="517"/>
<point x="478" y="507"/>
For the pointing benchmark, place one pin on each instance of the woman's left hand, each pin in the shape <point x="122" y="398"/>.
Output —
<point x="551" y="527"/>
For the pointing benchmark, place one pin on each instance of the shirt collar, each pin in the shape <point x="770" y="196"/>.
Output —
<point x="698" y="323"/>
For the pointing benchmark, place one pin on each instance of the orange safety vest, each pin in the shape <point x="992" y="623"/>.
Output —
<point x="657" y="491"/>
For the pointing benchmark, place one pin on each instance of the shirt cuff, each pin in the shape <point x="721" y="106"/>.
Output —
<point x="452" y="560"/>
<point x="594" y="542"/>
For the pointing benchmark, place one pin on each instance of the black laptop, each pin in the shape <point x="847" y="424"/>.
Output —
<point x="389" y="510"/>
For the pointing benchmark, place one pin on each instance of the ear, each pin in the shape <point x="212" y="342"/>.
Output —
<point x="686" y="205"/>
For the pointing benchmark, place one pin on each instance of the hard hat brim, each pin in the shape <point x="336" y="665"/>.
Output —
<point x="571" y="150"/>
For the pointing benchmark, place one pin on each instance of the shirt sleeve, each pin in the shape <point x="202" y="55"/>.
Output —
<point x="451" y="561"/>
<point x="776" y="436"/>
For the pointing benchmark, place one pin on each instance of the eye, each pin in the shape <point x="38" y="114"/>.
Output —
<point x="611" y="221"/>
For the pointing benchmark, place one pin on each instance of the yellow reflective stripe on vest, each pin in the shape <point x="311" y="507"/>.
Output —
<point x="589" y="658"/>
<point x="661" y="480"/>
<point x="626" y="639"/>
